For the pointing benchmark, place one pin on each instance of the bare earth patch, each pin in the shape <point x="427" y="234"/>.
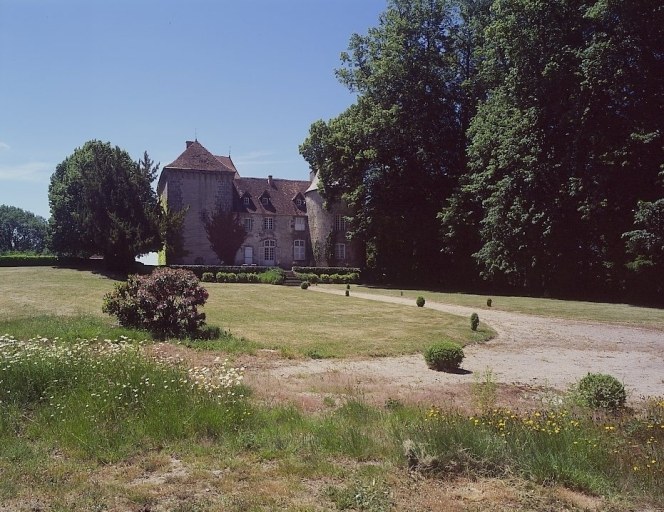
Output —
<point x="530" y="355"/>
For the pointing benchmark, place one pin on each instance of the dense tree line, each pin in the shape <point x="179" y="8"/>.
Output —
<point x="22" y="231"/>
<point x="511" y="142"/>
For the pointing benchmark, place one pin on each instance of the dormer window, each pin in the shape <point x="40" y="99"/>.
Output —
<point x="245" y="200"/>
<point x="265" y="200"/>
<point x="298" y="202"/>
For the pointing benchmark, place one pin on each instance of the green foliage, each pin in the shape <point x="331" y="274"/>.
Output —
<point x="602" y="391"/>
<point x="402" y="142"/>
<point x="559" y="154"/>
<point x="474" y="321"/>
<point x="21" y="231"/>
<point x="420" y="301"/>
<point x="347" y="293"/>
<point x="27" y="260"/>
<point x="304" y="285"/>
<point x="208" y="277"/>
<point x="489" y="302"/>
<point x="444" y="355"/>
<point x="164" y="303"/>
<point x="78" y="394"/>
<point x="102" y="202"/>
<point x="225" y="233"/>
<point x="272" y="276"/>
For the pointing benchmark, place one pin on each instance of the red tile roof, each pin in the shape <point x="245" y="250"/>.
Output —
<point x="196" y="157"/>
<point x="282" y="195"/>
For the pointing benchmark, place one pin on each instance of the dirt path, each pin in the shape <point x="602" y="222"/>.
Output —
<point x="529" y="352"/>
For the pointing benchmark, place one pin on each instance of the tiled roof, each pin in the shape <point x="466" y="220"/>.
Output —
<point x="196" y="157"/>
<point x="282" y="195"/>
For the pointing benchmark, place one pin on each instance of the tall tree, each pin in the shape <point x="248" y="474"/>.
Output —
<point x="566" y="143"/>
<point x="102" y="202"/>
<point x="225" y="233"/>
<point x="396" y="154"/>
<point x="21" y="230"/>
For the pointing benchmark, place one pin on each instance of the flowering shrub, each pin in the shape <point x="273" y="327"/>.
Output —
<point x="165" y="303"/>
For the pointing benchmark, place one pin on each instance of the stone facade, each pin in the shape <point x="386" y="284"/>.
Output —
<point x="285" y="220"/>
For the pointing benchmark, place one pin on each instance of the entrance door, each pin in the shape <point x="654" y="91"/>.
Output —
<point x="268" y="252"/>
<point x="248" y="255"/>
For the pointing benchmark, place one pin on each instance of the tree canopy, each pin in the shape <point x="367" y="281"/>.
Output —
<point x="516" y="141"/>
<point x="225" y="233"/>
<point x="102" y="203"/>
<point x="21" y="231"/>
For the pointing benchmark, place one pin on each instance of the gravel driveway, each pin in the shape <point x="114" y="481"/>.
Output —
<point x="529" y="351"/>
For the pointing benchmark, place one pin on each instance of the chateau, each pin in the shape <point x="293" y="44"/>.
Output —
<point x="285" y="221"/>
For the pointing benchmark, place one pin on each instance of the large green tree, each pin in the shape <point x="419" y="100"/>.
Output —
<point x="567" y="141"/>
<point x="396" y="154"/>
<point x="225" y="233"/>
<point x="102" y="203"/>
<point x="21" y="230"/>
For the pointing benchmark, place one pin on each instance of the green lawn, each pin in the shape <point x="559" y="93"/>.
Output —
<point x="47" y="301"/>
<point x="573" y="310"/>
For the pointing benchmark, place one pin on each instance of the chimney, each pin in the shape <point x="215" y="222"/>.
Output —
<point x="269" y="180"/>
<point x="189" y="143"/>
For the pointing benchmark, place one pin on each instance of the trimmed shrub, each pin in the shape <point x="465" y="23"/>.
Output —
<point x="272" y="276"/>
<point x="444" y="355"/>
<point x="253" y="278"/>
<point x="347" y="287"/>
<point x="325" y="278"/>
<point x="207" y="277"/>
<point x="164" y="303"/>
<point x="313" y="278"/>
<point x="489" y="302"/>
<point x="420" y="302"/>
<point x="242" y="277"/>
<point x="474" y="321"/>
<point x="601" y="391"/>
<point x="347" y="293"/>
<point x="304" y="285"/>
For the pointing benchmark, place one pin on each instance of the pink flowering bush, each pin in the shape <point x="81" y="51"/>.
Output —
<point x="164" y="303"/>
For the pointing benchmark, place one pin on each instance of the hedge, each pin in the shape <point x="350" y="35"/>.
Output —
<point x="327" y="270"/>
<point x="31" y="260"/>
<point x="227" y="269"/>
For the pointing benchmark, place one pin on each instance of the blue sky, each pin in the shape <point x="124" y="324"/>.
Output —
<point x="245" y="76"/>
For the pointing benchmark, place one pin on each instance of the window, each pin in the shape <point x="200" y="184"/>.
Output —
<point x="299" y="224"/>
<point x="245" y="200"/>
<point x="268" y="223"/>
<point x="339" y="223"/>
<point x="299" y="202"/>
<point x="340" y="252"/>
<point x="248" y="224"/>
<point x="298" y="249"/>
<point x="268" y="251"/>
<point x="265" y="200"/>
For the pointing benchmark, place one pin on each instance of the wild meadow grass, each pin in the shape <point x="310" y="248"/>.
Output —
<point x="104" y="401"/>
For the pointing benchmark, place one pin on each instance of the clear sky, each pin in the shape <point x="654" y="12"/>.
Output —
<point x="245" y="76"/>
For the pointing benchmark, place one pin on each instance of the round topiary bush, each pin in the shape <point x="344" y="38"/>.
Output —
<point x="602" y="391"/>
<point x="304" y="285"/>
<point x="474" y="321"/>
<point x="420" y="302"/>
<point x="444" y="355"/>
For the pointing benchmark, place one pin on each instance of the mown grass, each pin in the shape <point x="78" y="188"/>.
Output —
<point x="574" y="310"/>
<point x="66" y="303"/>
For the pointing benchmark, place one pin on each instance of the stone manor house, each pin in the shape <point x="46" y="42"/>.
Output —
<point x="285" y="221"/>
